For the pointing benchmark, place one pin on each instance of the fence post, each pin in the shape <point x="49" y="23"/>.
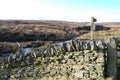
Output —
<point x="111" y="66"/>
<point x="92" y="27"/>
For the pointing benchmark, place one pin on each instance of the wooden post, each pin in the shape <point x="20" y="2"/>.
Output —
<point x="92" y="27"/>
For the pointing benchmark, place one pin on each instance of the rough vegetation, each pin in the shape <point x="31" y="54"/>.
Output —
<point x="37" y="30"/>
<point x="30" y="31"/>
<point x="23" y="30"/>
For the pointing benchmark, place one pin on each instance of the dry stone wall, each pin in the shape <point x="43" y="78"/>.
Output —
<point x="74" y="60"/>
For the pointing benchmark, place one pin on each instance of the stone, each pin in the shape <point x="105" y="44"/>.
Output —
<point x="81" y="44"/>
<point x="93" y="75"/>
<point x="68" y="46"/>
<point x="99" y="66"/>
<point x="87" y="46"/>
<point x="80" y="61"/>
<point x="77" y="67"/>
<point x="86" y="75"/>
<point x="9" y="59"/>
<point x="79" y="74"/>
<point x="75" y="45"/>
<point x="37" y="61"/>
<point x="34" y="54"/>
<point x="91" y="67"/>
<point x="111" y="67"/>
<point x="93" y="45"/>
<point x="87" y="58"/>
<point x="64" y="61"/>
<point x="100" y="59"/>
<point x="51" y="51"/>
<point x="101" y="44"/>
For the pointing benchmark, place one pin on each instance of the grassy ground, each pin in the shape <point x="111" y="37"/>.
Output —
<point x="100" y="35"/>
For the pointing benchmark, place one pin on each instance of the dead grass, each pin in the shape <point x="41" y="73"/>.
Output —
<point x="100" y="35"/>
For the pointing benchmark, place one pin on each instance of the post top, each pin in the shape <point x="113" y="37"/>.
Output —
<point x="93" y="19"/>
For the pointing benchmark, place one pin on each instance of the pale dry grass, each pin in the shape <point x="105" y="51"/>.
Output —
<point x="100" y="35"/>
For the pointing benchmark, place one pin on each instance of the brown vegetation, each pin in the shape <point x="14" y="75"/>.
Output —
<point x="30" y="31"/>
<point x="37" y="30"/>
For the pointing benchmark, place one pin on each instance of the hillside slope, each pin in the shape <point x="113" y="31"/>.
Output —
<point x="32" y="30"/>
<point x="35" y="33"/>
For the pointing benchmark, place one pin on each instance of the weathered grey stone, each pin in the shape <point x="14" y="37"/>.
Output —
<point x="37" y="61"/>
<point x="64" y="61"/>
<point x="93" y="75"/>
<point x="87" y="46"/>
<point x="75" y="45"/>
<point x="90" y="67"/>
<point x="86" y="75"/>
<point x="87" y="58"/>
<point x="9" y="59"/>
<point x="100" y="65"/>
<point x="34" y="54"/>
<point x="51" y="51"/>
<point x="93" y="45"/>
<point x="79" y="74"/>
<point x="53" y="72"/>
<point x="81" y="45"/>
<point x="74" y="60"/>
<point x="77" y="67"/>
<point x="111" y="58"/>
<point x="86" y="52"/>
<point x="101" y="44"/>
<point x="100" y="59"/>
<point x="68" y="46"/>
<point x="64" y="46"/>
